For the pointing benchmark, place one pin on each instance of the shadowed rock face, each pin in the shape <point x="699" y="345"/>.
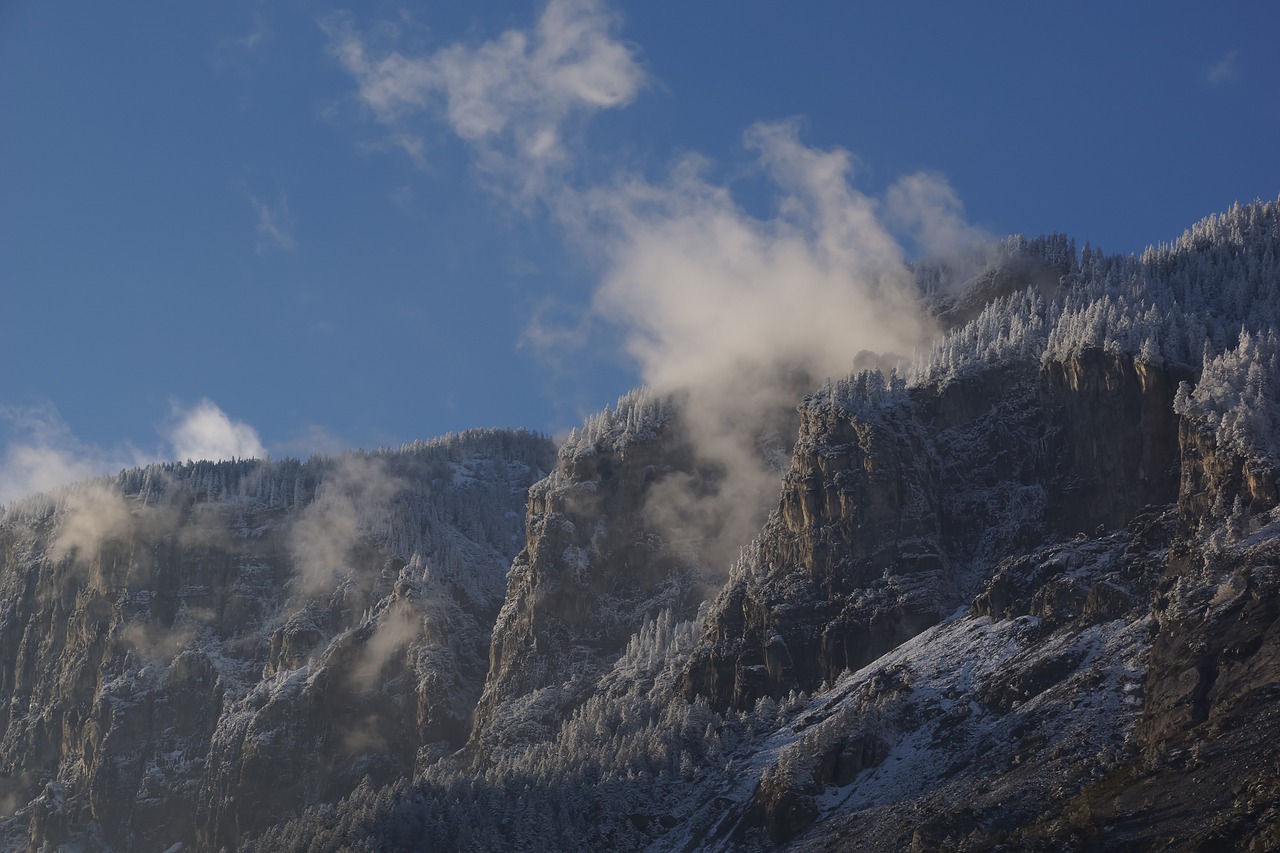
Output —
<point x="967" y="726"/>
<point x="1191" y="758"/>
<point x="609" y="547"/>
<point x="895" y="510"/>
<point x="858" y="502"/>
<point x="1119" y="443"/>
<point x="102" y="693"/>
<point x="593" y="570"/>
<point x="172" y="670"/>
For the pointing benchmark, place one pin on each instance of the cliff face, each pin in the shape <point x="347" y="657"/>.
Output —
<point x="1212" y="477"/>
<point x="1163" y="632"/>
<point x="1029" y="602"/>
<point x="966" y="730"/>
<point x="1111" y="689"/>
<point x="900" y="502"/>
<point x="1119" y="448"/>
<point x="1115" y="687"/>
<point x="858" y="507"/>
<point x="105" y="704"/>
<point x="594" y="568"/>
<point x="188" y="651"/>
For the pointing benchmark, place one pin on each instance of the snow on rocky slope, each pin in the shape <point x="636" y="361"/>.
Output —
<point x="1023" y="599"/>
<point x="189" y="651"/>
<point x="1023" y="596"/>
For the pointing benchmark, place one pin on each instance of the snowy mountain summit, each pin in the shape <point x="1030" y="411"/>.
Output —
<point x="1019" y="593"/>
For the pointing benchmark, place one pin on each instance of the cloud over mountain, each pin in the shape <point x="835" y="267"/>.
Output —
<point x="204" y="431"/>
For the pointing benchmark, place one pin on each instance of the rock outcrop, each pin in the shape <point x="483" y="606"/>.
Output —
<point x="899" y="502"/>
<point x="1029" y="600"/>
<point x="594" y="568"/>
<point x="186" y="652"/>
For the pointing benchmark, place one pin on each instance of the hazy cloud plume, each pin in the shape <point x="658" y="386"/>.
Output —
<point x="1225" y="70"/>
<point x="94" y="513"/>
<point x="364" y="737"/>
<point x="275" y="223"/>
<point x="746" y="314"/>
<point x="511" y="97"/>
<point x="926" y="208"/>
<point x="397" y="627"/>
<point x="739" y="314"/>
<point x="704" y="290"/>
<point x="156" y="642"/>
<point x="356" y="490"/>
<point x="41" y="453"/>
<point x="311" y="440"/>
<point x="205" y="432"/>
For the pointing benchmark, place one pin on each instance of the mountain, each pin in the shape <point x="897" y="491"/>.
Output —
<point x="1020" y="593"/>
<point x="186" y="651"/>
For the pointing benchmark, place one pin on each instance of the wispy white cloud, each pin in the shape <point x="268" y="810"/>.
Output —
<point x="512" y="97"/>
<point x="742" y="314"/>
<point x="927" y="211"/>
<point x="204" y="431"/>
<point x="42" y="453"/>
<point x="702" y="287"/>
<point x="311" y="440"/>
<point x="1225" y="70"/>
<point x="259" y="33"/>
<point x="275" y="223"/>
<point x="93" y="515"/>
<point x="397" y="627"/>
<point x="356" y="490"/>
<point x="738" y="313"/>
<point x="553" y="326"/>
<point x="231" y="52"/>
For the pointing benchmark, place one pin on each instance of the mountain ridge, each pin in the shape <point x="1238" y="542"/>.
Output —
<point x="1012" y="597"/>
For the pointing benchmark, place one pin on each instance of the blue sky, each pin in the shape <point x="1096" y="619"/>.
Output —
<point x="294" y="227"/>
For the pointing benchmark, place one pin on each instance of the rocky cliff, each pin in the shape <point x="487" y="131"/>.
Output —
<point x="1112" y="691"/>
<point x="1020" y="598"/>
<point x="595" y="567"/>
<point x="1023" y="597"/>
<point x="1095" y="689"/>
<point x="187" y="652"/>
<point x="899" y="500"/>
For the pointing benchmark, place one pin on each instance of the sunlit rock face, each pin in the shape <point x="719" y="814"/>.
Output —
<point x="899" y="500"/>
<point x="189" y="651"/>
<point x="1213" y="477"/>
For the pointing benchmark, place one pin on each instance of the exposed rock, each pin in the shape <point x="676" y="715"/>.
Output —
<point x="971" y="729"/>
<point x="1213" y="477"/>
<point x="898" y="504"/>
<point x="188" y="651"/>
<point x="1030" y="602"/>
<point x="594" y="568"/>
<point x="848" y="567"/>
<point x="1118" y="451"/>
